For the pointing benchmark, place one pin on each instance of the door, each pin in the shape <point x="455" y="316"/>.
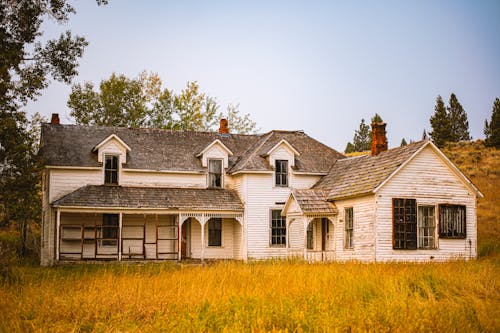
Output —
<point x="185" y="238"/>
<point x="325" y="229"/>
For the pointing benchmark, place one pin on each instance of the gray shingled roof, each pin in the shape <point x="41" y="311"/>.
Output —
<point x="360" y="175"/>
<point x="313" y="201"/>
<point x="151" y="197"/>
<point x="156" y="149"/>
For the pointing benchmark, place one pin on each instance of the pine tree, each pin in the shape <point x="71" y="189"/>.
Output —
<point x="424" y="135"/>
<point x="349" y="148"/>
<point x="458" y="120"/>
<point x="377" y="119"/>
<point x="492" y="129"/>
<point x="362" y="137"/>
<point x="440" y="122"/>
<point x="403" y="143"/>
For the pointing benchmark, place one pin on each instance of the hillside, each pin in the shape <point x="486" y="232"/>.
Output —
<point x="482" y="166"/>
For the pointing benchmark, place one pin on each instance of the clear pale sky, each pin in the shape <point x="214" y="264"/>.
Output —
<point x="318" y="66"/>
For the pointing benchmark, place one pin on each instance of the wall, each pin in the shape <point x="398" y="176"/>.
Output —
<point x="428" y="180"/>
<point x="226" y="251"/>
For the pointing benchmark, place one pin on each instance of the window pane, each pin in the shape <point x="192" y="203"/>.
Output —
<point x="349" y="224"/>
<point x="281" y="170"/>
<point x="215" y="232"/>
<point x="426" y="227"/>
<point x="215" y="173"/>
<point x="452" y="222"/>
<point x="278" y="228"/>
<point x="404" y="223"/>
<point x="111" y="169"/>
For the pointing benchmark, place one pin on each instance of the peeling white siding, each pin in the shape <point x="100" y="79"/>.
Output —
<point x="158" y="179"/>
<point x="428" y="180"/>
<point x="225" y="251"/>
<point x="63" y="181"/>
<point x="363" y="229"/>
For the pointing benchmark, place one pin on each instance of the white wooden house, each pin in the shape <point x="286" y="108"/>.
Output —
<point x="136" y="194"/>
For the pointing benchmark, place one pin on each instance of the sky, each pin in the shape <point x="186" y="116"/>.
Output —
<point x="317" y="66"/>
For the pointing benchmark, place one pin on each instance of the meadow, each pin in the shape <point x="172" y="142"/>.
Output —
<point x="276" y="296"/>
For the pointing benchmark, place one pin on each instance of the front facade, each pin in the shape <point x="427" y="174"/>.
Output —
<point x="139" y="194"/>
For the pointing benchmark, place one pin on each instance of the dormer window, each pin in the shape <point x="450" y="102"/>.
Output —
<point x="215" y="173"/>
<point x="111" y="170"/>
<point x="281" y="172"/>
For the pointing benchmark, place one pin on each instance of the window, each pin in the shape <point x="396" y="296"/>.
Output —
<point x="426" y="227"/>
<point x="452" y="221"/>
<point x="111" y="170"/>
<point x="215" y="232"/>
<point x="310" y="237"/>
<point x="404" y="223"/>
<point x="278" y="228"/>
<point x="215" y="173"/>
<point x="281" y="172"/>
<point x="349" y="227"/>
<point x="109" y="229"/>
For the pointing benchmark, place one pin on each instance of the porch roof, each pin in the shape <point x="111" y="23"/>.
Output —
<point x="313" y="201"/>
<point x="151" y="197"/>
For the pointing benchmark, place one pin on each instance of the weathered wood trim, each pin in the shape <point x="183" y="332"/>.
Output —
<point x="72" y="167"/>
<point x="285" y="143"/>
<point x="111" y="137"/>
<point x="216" y="141"/>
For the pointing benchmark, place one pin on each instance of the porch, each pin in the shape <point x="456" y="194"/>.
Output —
<point x="310" y="239"/>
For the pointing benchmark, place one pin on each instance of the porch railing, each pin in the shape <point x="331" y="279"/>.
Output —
<point x="311" y="255"/>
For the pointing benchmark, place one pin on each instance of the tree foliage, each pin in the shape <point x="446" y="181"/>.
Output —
<point x="492" y="128"/>
<point x="143" y="102"/>
<point x="449" y="123"/>
<point x="27" y="64"/>
<point x="362" y="136"/>
<point x="403" y="143"/>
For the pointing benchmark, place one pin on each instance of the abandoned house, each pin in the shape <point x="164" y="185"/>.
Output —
<point x="136" y="194"/>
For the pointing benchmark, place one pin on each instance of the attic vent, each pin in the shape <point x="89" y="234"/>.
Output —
<point x="279" y="203"/>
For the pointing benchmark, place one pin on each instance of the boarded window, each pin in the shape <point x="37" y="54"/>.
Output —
<point x="278" y="228"/>
<point x="215" y="232"/>
<point x="215" y="173"/>
<point x="349" y="227"/>
<point x="310" y="237"/>
<point x="404" y="223"/>
<point x="111" y="170"/>
<point x="281" y="172"/>
<point x="426" y="227"/>
<point x="452" y="221"/>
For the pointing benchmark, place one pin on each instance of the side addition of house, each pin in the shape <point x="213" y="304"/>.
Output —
<point x="137" y="194"/>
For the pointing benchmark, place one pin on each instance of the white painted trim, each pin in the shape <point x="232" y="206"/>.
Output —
<point x="443" y="157"/>
<point x="120" y="226"/>
<point x="251" y="171"/>
<point x="112" y="136"/>
<point x="216" y="141"/>
<point x="288" y="202"/>
<point x="286" y="143"/>
<point x="309" y="173"/>
<point x="164" y="171"/>
<point x="81" y="209"/>
<point x="72" y="167"/>
<point x="58" y="233"/>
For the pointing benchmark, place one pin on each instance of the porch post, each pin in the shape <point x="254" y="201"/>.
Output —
<point x="306" y="222"/>
<point x="179" y="235"/>
<point x="58" y="233"/>
<point x="120" y="226"/>
<point x="202" y="220"/>
<point x="287" y="236"/>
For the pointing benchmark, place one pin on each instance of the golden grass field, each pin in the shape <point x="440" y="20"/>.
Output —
<point x="286" y="296"/>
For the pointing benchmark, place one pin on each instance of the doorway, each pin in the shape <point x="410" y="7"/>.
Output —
<point x="186" y="239"/>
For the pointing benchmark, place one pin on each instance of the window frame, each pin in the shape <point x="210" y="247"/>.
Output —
<point x="442" y="225"/>
<point x="273" y="239"/>
<point x="111" y="170"/>
<point x="109" y="229"/>
<point x="212" y="222"/>
<point x="421" y="228"/>
<point x="310" y="236"/>
<point x="349" y="228"/>
<point x="281" y="173"/>
<point x="210" y="174"/>
<point x="404" y="224"/>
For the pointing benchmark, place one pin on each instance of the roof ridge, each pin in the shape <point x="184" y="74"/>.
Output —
<point x="250" y="152"/>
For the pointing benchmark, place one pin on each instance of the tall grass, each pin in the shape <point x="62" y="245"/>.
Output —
<point x="266" y="296"/>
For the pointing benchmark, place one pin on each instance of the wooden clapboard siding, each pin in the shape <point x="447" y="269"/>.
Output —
<point x="363" y="229"/>
<point x="431" y="182"/>
<point x="65" y="181"/>
<point x="159" y="179"/>
<point x="225" y="251"/>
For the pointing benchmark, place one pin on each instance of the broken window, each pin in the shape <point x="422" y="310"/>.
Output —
<point x="404" y="223"/>
<point x="109" y="229"/>
<point x="215" y="232"/>
<point x="310" y="237"/>
<point x="426" y="227"/>
<point x="278" y="228"/>
<point x="281" y="172"/>
<point x="452" y="221"/>
<point x="111" y="170"/>
<point x="349" y="227"/>
<point x="215" y="173"/>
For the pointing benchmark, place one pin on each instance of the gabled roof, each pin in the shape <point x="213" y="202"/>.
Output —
<point x="282" y="142"/>
<point x="171" y="150"/>
<point x="360" y="175"/>
<point x="106" y="196"/>
<point x="312" y="202"/>
<point x="216" y="141"/>
<point x="111" y="137"/>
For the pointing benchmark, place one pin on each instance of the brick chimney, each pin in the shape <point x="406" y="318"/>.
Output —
<point x="379" y="140"/>
<point x="55" y="119"/>
<point x="224" y="126"/>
